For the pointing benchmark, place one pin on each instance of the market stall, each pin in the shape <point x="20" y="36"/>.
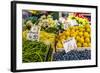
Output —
<point x="56" y="36"/>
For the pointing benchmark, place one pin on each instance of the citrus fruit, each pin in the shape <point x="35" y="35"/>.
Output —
<point x="59" y="45"/>
<point x="77" y="38"/>
<point x="67" y="33"/>
<point x="79" y="44"/>
<point x="88" y="30"/>
<point x="87" y="40"/>
<point x="76" y="27"/>
<point x="80" y="33"/>
<point x="85" y="45"/>
<point x="89" y="44"/>
<point x="81" y="40"/>
<point x="86" y="34"/>
<point x="87" y="26"/>
<point x="81" y="29"/>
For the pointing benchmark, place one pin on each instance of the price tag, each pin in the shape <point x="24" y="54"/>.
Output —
<point x="33" y="33"/>
<point x="66" y="25"/>
<point x="69" y="44"/>
<point x="74" y="22"/>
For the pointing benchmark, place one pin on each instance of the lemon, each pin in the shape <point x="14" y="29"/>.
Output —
<point x="67" y="37"/>
<point x="72" y="35"/>
<point x="86" y="34"/>
<point x="67" y="29"/>
<point x="80" y="33"/>
<point x="59" y="45"/>
<point x="67" y="33"/>
<point x="79" y="44"/>
<point x="63" y="37"/>
<point x="89" y="44"/>
<point x="87" y="26"/>
<point x="72" y="27"/>
<point x="85" y="45"/>
<point x="77" y="32"/>
<point x="88" y="30"/>
<point x="72" y="31"/>
<point x="87" y="40"/>
<point x="78" y="38"/>
<point x="81" y="29"/>
<point x="82" y="37"/>
<point x="76" y="27"/>
<point x="81" y="40"/>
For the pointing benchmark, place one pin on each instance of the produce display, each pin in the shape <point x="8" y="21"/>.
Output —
<point x="81" y="34"/>
<point x="34" y="51"/>
<point x="72" y="55"/>
<point x="48" y="36"/>
<point x="79" y="18"/>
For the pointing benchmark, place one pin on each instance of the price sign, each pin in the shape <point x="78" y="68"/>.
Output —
<point x="33" y="33"/>
<point x="73" y="22"/>
<point x="69" y="44"/>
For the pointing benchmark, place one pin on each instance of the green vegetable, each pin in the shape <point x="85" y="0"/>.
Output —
<point x="49" y="55"/>
<point x="34" y="51"/>
<point x="51" y="30"/>
<point x="31" y="57"/>
<point x="32" y="18"/>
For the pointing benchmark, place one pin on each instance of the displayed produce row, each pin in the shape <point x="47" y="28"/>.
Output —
<point x="72" y="55"/>
<point x="81" y="34"/>
<point x="34" y="51"/>
<point x="44" y="36"/>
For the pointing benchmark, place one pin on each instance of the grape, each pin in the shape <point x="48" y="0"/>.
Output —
<point x="58" y="57"/>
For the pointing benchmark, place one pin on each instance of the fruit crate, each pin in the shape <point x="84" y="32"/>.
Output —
<point x="76" y="54"/>
<point x="81" y="34"/>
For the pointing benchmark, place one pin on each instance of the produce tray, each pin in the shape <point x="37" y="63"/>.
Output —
<point x="76" y="54"/>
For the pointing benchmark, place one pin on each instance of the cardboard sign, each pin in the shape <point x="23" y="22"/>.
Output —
<point x="73" y="22"/>
<point x="69" y="44"/>
<point x="66" y="25"/>
<point x="33" y="33"/>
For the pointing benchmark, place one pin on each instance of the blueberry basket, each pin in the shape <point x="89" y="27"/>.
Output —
<point x="76" y="54"/>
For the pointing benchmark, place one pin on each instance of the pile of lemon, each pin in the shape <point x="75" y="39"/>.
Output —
<point x="82" y="35"/>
